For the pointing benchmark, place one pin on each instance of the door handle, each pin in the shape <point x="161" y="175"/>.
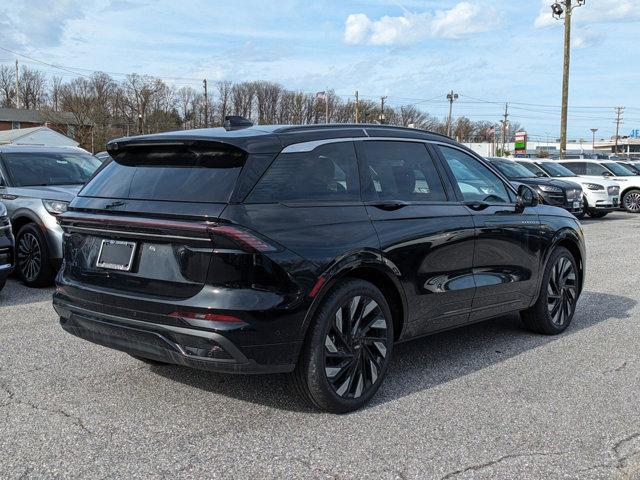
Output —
<point x="390" y="205"/>
<point x="477" y="206"/>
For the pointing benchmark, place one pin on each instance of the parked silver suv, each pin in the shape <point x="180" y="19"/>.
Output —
<point x="36" y="184"/>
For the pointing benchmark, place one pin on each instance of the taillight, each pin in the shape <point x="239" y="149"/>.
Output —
<point x="212" y="317"/>
<point x="244" y="238"/>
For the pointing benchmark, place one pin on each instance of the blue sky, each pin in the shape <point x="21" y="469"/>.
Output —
<point x="413" y="51"/>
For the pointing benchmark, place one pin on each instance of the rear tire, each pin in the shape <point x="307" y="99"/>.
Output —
<point x="347" y="350"/>
<point x="553" y="311"/>
<point x="33" y="263"/>
<point x="631" y="201"/>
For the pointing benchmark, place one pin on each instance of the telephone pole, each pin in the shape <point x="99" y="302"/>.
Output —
<point x="452" y="97"/>
<point x="357" y="107"/>
<point x="382" y="100"/>
<point x="17" y="85"/>
<point x="505" y="127"/>
<point x="618" y="121"/>
<point x="565" y="7"/>
<point x="593" y="139"/>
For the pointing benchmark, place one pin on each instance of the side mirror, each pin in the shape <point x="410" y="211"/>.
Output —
<point x="540" y="175"/>
<point x="527" y="197"/>
<point x="607" y="174"/>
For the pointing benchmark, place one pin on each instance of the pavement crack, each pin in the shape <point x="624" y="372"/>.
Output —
<point x="617" y="369"/>
<point x="14" y="400"/>
<point x="492" y="463"/>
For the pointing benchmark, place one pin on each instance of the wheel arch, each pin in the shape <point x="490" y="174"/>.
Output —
<point x="378" y="274"/>
<point x="570" y="240"/>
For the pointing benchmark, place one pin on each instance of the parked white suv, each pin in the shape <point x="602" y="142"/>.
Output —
<point x="600" y="195"/>
<point x="607" y="169"/>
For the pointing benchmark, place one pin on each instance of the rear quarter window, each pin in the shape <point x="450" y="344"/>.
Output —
<point x="329" y="173"/>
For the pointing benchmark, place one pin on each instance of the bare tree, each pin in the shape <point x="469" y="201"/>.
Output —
<point x="32" y="88"/>
<point x="7" y="86"/>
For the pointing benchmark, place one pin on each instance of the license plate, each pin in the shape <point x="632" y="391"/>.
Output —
<point x="116" y="255"/>
<point x="576" y="204"/>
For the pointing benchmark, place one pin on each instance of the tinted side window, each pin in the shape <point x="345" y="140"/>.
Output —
<point x="596" y="169"/>
<point x="329" y="173"/>
<point x="402" y="171"/>
<point x="476" y="182"/>
<point x="579" y="168"/>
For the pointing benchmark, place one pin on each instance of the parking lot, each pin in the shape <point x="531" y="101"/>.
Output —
<point x="485" y="401"/>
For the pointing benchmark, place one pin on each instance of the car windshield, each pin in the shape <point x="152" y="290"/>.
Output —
<point x="513" y="170"/>
<point x="533" y="168"/>
<point x="619" y="170"/>
<point x="29" y="169"/>
<point x="556" y="170"/>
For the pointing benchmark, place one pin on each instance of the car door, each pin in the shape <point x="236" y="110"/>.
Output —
<point x="506" y="260"/>
<point x="423" y="235"/>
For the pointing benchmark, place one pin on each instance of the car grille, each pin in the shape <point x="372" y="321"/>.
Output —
<point x="613" y="190"/>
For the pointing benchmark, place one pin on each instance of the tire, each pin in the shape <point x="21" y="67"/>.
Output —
<point x="2" y="284"/>
<point x="332" y="373"/>
<point x="33" y="263"/>
<point x="598" y="214"/>
<point x="585" y="208"/>
<point x="553" y="311"/>
<point x="148" y="361"/>
<point x="631" y="201"/>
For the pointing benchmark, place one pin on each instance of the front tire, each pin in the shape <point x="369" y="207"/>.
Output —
<point x="33" y="263"/>
<point x="348" y="348"/>
<point x="553" y="311"/>
<point x="631" y="201"/>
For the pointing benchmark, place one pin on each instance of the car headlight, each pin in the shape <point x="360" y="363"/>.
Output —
<point x="550" y="188"/>
<point x="55" y="207"/>
<point x="593" y="186"/>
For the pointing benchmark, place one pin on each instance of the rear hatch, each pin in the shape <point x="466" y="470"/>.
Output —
<point x="142" y="223"/>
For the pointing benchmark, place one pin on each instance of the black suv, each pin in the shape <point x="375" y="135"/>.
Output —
<point x="306" y="249"/>
<point x="552" y="191"/>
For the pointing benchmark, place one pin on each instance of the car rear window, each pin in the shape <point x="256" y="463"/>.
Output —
<point x="29" y="169"/>
<point x="176" y="174"/>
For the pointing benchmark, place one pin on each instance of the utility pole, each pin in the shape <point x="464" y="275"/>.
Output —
<point x="593" y="139"/>
<point x="619" y="111"/>
<point x="357" y="107"/>
<point x="17" y="85"/>
<point x="505" y="127"/>
<point x="382" y="100"/>
<point x="452" y="97"/>
<point x="206" y="104"/>
<point x="326" y="105"/>
<point x="558" y="9"/>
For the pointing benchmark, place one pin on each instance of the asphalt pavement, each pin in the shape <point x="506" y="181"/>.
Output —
<point x="489" y="401"/>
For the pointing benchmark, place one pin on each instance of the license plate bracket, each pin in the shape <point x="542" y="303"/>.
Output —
<point x="116" y="255"/>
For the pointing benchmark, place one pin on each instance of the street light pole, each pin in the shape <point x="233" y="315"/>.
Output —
<point x="559" y="8"/>
<point x="593" y="141"/>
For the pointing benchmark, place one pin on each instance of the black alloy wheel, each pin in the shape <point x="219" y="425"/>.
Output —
<point x="355" y="347"/>
<point x="556" y="305"/>
<point x="347" y="350"/>
<point x="562" y="291"/>
<point x="32" y="257"/>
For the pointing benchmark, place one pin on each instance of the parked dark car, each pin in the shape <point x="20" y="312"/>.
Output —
<point x="36" y="185"/>
<point x="306" y="249"/>
<point x="552" y="191"/>
<point x="6" y="246"/>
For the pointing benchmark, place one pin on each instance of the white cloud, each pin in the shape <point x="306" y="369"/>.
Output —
<point x="599" y="11"/>
<point x="463" y="19"/>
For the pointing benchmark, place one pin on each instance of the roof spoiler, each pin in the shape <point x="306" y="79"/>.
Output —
<point x="234" y="122"/>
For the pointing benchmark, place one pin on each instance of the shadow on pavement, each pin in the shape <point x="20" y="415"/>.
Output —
<point x="419" y="364"/>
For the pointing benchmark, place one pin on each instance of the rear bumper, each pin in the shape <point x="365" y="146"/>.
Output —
<point x="179" y="345"/>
